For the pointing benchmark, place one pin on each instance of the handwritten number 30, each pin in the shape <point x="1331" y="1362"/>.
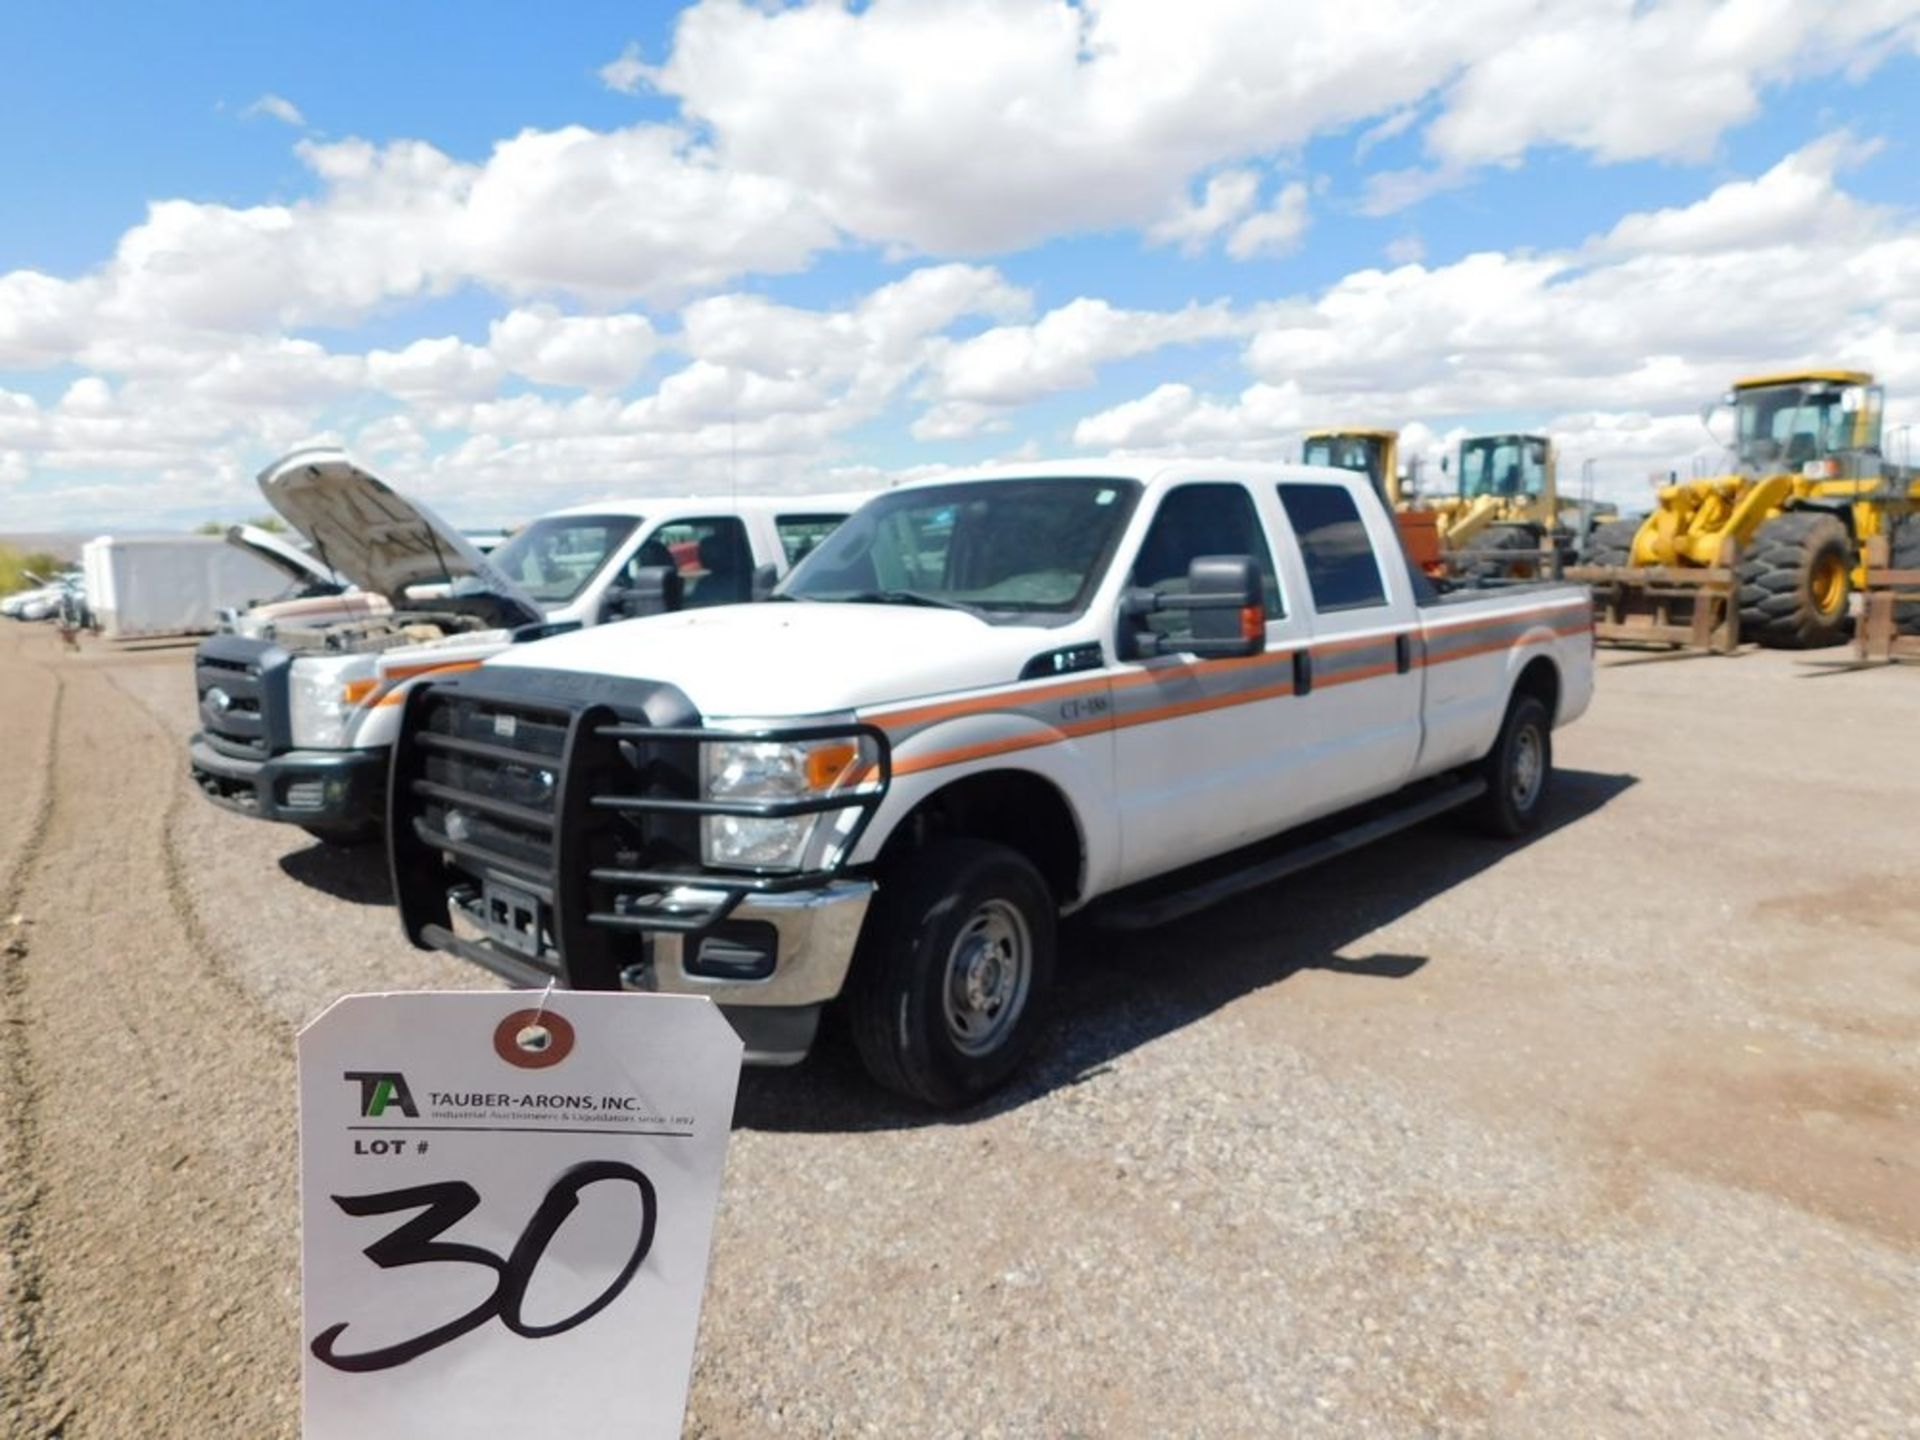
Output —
<point x="445" y="1205"/>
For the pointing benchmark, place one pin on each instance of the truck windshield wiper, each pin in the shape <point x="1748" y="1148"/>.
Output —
<point x="908" y="597"/>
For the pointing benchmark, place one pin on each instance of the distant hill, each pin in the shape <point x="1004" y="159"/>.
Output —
<point x="64" y="543"/>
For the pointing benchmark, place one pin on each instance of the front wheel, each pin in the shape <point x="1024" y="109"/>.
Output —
<point x="953" y="963"/>
<point x="1518" y="771"/>
<point x="1795" y="580"/>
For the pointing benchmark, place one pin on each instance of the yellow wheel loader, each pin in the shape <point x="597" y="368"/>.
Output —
<point x="1506" y="497"/>
<point x="1808" y="490"/>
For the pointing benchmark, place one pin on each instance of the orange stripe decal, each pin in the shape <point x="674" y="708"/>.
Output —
<point x="1547" y="619"/>
<point x="401" y="674"/>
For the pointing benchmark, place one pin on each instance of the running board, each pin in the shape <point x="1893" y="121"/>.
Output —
<point x="1158" y="908"/>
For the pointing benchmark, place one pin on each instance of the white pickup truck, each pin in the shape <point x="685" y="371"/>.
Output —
<point x="300" y="704"/>
<point x="982" y="703"/>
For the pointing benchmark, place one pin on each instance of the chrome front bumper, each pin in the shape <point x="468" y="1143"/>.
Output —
<point x="776" y="1016"/>
<point x="817" y="931"/>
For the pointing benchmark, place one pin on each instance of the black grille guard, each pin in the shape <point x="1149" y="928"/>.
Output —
<point x="600" y="911"/>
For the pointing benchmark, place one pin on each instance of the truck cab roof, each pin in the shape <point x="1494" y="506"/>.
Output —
<point x="653" y="506"/>
<point x="1152" y="475"/>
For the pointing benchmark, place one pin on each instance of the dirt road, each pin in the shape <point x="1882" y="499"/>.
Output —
<point x="1612" y="1133"/>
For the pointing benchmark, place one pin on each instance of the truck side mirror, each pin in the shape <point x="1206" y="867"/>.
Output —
<point x="765" y="577"/>
<point x="1226" y="605"/>
<point x="656" y="589"/>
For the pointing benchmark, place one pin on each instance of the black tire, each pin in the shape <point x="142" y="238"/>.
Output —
<point x="1905" y="555"/>
<point x="1781" y="603"/>
<point x="1612" y="543"/>
<point x="361" y="832"/>
<point x="949" y="904"/>
<point x="1518" y="771"/>
<point x="1497" y="568"/>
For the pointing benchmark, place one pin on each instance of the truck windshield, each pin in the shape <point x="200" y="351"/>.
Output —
<point x="996" y="547"/>
<point x="1792" y="424"/>
<point x="553" y="559"/>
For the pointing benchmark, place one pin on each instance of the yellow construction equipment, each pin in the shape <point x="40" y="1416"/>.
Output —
<point x="1376" y="454"/>
<point x="1808" y="491"/>
<point x="1506" y="498"/>
<point x="1373" y="453"/>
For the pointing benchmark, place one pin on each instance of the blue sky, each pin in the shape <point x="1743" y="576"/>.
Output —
<point x="793" y="247"/>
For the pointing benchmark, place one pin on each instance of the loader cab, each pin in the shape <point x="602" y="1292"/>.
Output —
<point x="1820" y="425"/>
<point x="1506" y="467"/>
<point x="1372" y="453"/>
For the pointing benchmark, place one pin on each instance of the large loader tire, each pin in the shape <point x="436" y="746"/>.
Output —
<point x="1794" y="582"/>
<point x="1519" y="538"/>
<point x="1612" y="543"/>
<point x="1906" y="556"/>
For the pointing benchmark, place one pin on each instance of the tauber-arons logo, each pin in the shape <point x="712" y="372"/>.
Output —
<point x="381" y="1088"/>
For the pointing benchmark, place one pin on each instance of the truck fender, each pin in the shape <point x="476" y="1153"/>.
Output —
<point x="943" y="758"/>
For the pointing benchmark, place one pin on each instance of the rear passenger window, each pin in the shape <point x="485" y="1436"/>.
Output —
<point x="1342" y="570"/>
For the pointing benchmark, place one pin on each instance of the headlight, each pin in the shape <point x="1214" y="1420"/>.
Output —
<point x="781" y="770"/>
<point x="320" y="710"/>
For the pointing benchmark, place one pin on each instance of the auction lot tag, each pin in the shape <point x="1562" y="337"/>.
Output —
<point x="506" y="1210"/>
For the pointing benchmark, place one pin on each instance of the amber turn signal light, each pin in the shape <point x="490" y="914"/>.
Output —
<point x="826" y="764"/>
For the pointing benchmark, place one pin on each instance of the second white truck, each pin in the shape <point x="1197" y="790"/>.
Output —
<point x="300" y="704"/>
<point x="982" y="703"/>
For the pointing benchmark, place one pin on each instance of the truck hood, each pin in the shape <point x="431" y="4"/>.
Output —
<point x="800" y="658"/>
<point x="384" y="542"/>
<point x="290" y="560"/>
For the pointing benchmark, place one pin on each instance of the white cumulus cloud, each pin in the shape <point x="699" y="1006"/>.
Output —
<point x="277" y="107"/>
<point x="627" y="72"/>
<point x="592" y="352"/>
<point x="1619" y="340"/>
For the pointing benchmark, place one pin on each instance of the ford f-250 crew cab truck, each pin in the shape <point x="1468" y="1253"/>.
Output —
<point x="300" y="705"/>
<point x="982" y="703"/>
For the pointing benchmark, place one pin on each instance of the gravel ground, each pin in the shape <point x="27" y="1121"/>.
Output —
<point x="1612" y="1133"/>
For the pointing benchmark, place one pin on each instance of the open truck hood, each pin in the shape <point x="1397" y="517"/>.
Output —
<point x="386" y="543"/>
<point x="290" y="560"/>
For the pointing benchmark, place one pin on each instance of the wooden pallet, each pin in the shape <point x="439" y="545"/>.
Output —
<point x="1685" y="607"/>
<point x="1877" y="636"/>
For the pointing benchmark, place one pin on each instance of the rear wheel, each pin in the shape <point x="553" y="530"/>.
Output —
<point x="1518" y="771"/>
<point x="954" y="960"/>
<point x="1794" y="582"/>
<point x="1612" y="543"/>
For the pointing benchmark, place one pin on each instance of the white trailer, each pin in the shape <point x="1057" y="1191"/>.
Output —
<point x="148" y="585"/>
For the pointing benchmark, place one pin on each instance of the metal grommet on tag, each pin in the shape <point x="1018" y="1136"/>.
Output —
<point x="533" y="1039"/>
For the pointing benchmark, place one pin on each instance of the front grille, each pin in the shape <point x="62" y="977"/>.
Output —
<point x="241" y="687"/>
<point x="488" y="782"/>
<point x="581" y="792"/>
<point x="492" y="796"/>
